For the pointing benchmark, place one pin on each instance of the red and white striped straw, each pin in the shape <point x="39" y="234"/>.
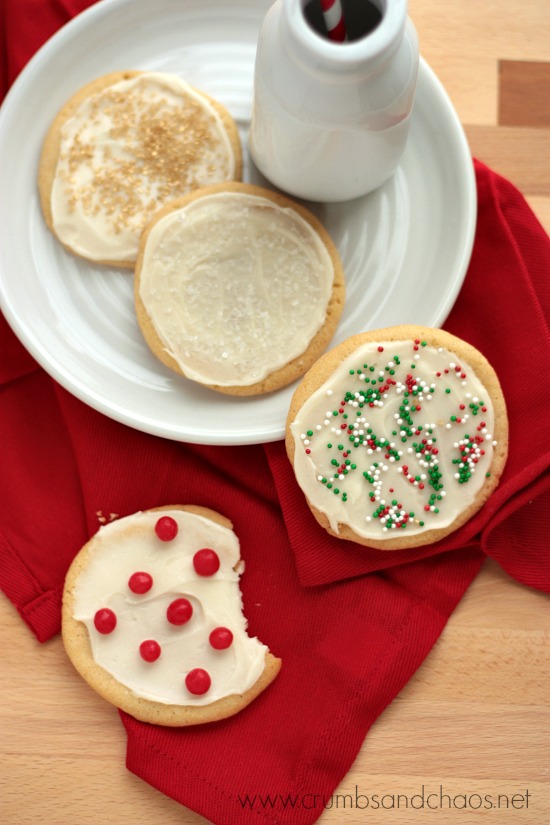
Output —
<point x="334" y="20"/>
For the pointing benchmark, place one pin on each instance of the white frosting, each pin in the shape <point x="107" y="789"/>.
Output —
<point x="401" y="478"/>
<point x="124" y="152"/>
<point x="236" y="286"/>
<point x="118" y="553"/>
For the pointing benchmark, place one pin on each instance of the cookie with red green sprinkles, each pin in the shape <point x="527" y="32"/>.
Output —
<point x="398" y="436"/>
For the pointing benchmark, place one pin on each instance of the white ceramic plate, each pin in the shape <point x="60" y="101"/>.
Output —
<point x="405" y="248"/>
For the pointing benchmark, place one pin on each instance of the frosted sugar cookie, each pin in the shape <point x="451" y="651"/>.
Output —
<point x="121" y="147"/>
<point x="238" y="288"/>
<point x="153" y="619"/>
<point x="398" y="436"/>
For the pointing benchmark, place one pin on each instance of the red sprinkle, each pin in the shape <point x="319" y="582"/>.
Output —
<point x="166" y="528"/>
<point x="140" y="583"/>
<point x="221" y="638"/>
<point x="105" y="621"/>
<point x="206" y="562"/>
<point x="380" y="349"/>
<point x="149" y="650"/>
<point x="198" y="681"/>
<point x="179" y="611"/>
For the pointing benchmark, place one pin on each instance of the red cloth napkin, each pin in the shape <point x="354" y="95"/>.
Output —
<point x="351" y="625"/>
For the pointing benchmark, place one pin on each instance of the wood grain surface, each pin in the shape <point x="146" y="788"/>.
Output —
<point x="472" y="726"/>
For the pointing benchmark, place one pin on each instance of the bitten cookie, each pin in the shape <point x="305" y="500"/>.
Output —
<point x="153" y="621"/>
<point x="398" y="436"/>
<point x="121" y="147"/>
<point x="238" y="288"/>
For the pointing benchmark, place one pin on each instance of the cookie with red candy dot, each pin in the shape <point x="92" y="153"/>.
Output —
<point x="179" y="611"/>
<point x="150" y="650"/>
<point x="166" y="528"/>
<point x="221" y="638"/>
<point x="140" y="583"/>
<point x="105" y="620"/>
<point x="198" y="681"/>
<point x="146" y="619"/>
<point x="206" y="562"/>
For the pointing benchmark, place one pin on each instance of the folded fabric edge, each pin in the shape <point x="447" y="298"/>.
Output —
<point x="41" y="610"/>
<point x="524" y="519"/>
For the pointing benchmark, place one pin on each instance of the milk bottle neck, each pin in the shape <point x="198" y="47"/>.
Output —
<point x="316" y="53"/>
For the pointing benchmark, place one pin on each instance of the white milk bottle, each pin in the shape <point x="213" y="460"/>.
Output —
<point x="330" y="119"/>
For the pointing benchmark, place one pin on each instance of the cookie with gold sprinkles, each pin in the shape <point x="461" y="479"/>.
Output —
<point x="153" y="618"/>
<point x="238" y="288"/>
<point x="121" y="147"/>
<point x="398" y="436"/>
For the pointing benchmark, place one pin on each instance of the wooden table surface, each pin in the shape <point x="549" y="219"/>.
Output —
<point x="475" y="718"/>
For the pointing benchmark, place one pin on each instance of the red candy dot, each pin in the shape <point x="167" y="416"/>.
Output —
<point x="179" y="611"/>
<point x="105" y="621"/>
<point x="166" y="528"/>
<point x="140" y="583"/>
<point x="149" y="650"/>
<point x="206" y="562"/>
<point x="198" y="681"/>
<point x="221" y="638"/>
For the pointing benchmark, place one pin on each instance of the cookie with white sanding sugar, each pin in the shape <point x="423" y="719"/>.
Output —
<point x="153" y="618"/>
<point x="238" y="288"/>
<point x="398" y="436"/>
<point x="121" y="147"/>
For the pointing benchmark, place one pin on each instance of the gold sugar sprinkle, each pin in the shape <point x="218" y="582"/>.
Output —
<point x="157" y="152"/>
